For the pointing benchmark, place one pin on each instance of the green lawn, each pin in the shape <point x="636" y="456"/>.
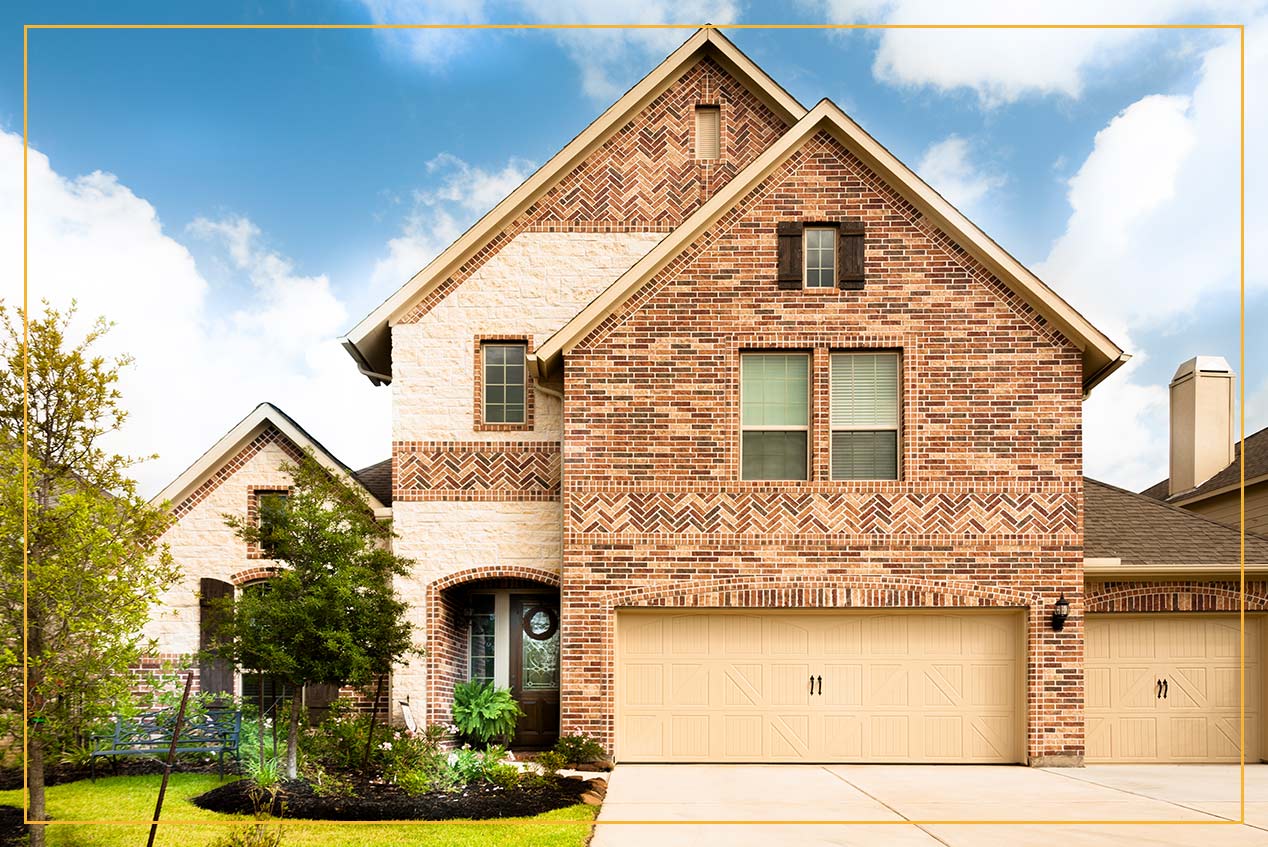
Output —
<point x="132" y="798"/>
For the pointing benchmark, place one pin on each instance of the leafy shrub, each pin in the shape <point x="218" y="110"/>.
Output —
<point x="255" y="835"/>
<point x="551" y="762"/>
<point x="578" y="749"/>
<point x="483" y="712"/>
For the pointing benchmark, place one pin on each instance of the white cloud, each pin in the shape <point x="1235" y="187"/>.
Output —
<point x="440" y="214"/>
<point x="197" y="371"/>
<point x="1152" y="240"/>
<point x="431" y="48"/>
<point x="947" y="166"/>
<point x="1001" y="66"/>
<point x="608" y="59"/>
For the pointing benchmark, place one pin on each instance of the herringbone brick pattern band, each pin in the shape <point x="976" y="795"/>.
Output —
<point x="775" y="516"/>
<point x="489" y="470"/>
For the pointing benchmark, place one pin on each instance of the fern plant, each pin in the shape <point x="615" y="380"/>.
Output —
<point x="483" y="712"/>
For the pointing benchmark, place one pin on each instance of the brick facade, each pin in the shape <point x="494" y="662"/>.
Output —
<point x="644" y="178"/>
<point x="1176" y="596"/>
<point x="989" y="508"/>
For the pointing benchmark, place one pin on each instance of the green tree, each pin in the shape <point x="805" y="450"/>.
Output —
<point x="93" y="564"/>
<point x="330" y="615"/>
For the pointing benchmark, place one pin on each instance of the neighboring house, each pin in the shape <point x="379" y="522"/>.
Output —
<point x="1206" y="477"/>
<point x="725" y="438"/>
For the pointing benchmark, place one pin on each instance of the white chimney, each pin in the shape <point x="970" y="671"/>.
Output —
<point x="1201" y="421"/>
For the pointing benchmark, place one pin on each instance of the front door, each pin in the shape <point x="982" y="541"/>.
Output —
<point x="535" y="668"/>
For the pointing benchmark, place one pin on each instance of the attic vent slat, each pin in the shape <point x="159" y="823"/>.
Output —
<point x="708" y="132"/>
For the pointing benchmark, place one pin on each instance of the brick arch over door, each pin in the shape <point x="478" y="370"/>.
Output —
<point x="1176" y="596"/>
<point x="446" y="634"/>
<point x="845" y="592"/>
<point x="254" y="574"/>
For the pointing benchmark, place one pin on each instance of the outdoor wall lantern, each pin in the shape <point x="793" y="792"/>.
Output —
<point x="1060" y="611"/>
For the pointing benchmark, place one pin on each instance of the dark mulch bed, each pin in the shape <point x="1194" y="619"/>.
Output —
<point x="11" y="778"/>
<point x="371" y="801"/>
<point x="12" y="830"/>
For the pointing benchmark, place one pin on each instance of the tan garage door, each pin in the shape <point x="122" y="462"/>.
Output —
<point x="819" y="687"/>
<point x="1164" y="688"/>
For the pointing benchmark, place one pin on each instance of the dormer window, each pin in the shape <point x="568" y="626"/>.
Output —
<point x="708" y="132"/>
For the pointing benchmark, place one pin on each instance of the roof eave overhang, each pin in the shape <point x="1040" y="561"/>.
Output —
<point x="243" y="432"/>
<point x="1100" y="355"/>
<point x="369" y="342"/>
<point x="1101" y="570"/>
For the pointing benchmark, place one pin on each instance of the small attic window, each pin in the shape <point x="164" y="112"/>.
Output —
<point x="708" y="132"/>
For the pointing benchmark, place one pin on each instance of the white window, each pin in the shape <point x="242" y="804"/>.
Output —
<point x="821" y="252"/>
<point x="774" y="415"/>
<point x="865" y="416"/>
<point x="708" y="132"/>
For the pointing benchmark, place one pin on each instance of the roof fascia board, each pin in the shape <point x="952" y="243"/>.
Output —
<point x="1100" y="355"/>
<point x="1172" y="571"/>
<point x="1206" y="495"/>
<point x="367" y="342"/>
<point x="239" y="436"/>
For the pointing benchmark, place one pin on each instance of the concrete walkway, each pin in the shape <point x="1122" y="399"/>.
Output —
<point x="884" y="799"/>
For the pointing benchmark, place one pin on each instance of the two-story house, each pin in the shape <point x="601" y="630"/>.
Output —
<point x="724" y="437"/>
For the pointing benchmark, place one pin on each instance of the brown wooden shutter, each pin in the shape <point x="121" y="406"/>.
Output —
<point x="215" y="676"/>
<point x="850" y="255"/>
<point x="791" y="265"/>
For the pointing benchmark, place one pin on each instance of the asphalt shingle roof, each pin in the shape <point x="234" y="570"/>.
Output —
<point x="1256" y="465"/>
<point x="377" y="479"/>
<point x="1141" y="530"/>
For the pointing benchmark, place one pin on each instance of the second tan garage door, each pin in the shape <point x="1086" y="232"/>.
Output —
<point x="819" y="687"/>
<point x="1164" y="688"/>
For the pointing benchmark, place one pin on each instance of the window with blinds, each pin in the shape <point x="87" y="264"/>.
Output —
<point x="708" y="132"/>
<point x="865" y="415"/>
<point x="774" y="415"/>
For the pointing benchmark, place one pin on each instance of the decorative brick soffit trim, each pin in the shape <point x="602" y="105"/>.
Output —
<point x="475" y="470"/>
<point x="772" y="514"/>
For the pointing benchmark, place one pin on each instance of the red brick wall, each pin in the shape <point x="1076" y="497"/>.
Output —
<point x="1176" y="596"/>
<point x="989" y="509"/>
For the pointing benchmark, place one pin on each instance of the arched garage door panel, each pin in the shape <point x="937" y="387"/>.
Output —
<point x="829" y="687"/>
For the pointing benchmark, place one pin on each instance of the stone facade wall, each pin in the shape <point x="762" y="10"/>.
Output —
<point x="988" y="511"/>
<point x="205" y="547"/>
<point x="468" y="497"/>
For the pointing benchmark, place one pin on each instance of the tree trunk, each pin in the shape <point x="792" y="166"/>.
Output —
<point x="292" y="737"/>
<point x="35" y="744"/>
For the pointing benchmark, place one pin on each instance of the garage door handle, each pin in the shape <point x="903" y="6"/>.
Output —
<point x="1158" y="696"/>
<point x="820" y="685"/>
<point x="812" y="685"/>
<point x="1165" y="686"/>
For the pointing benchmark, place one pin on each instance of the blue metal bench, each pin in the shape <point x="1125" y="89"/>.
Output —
<point x="216" y="733"/>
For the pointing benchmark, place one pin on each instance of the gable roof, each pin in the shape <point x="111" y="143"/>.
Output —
<point x="1255" y="447"/>
<point x="261" y="418"/>
<point x="1101" y="356"/>
<point x="1138" y="530"/>
<point x="369" y="342"/>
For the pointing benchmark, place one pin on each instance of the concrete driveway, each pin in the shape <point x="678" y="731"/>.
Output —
<point x="884" y="799"/>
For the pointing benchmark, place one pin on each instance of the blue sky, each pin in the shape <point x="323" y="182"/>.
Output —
<point x="237" y="199"/>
